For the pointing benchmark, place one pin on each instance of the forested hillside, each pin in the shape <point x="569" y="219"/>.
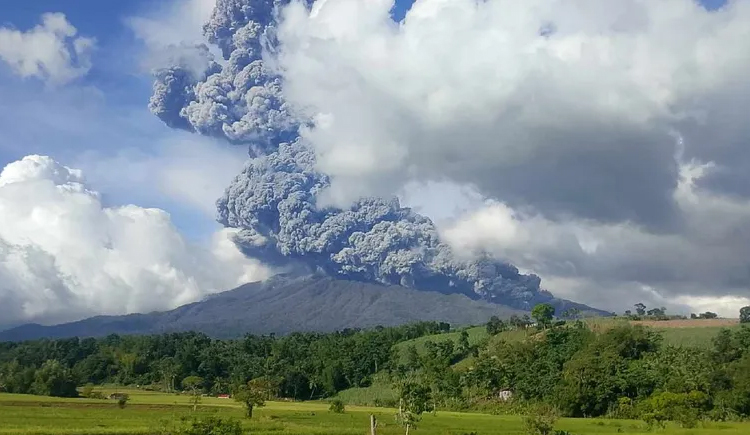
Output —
<point x="580" y="369"/>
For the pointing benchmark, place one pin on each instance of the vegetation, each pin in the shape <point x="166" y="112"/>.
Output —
<point x="303" y="366"/>
<point x="745" y="315"/>
<point x="166" y="414"/>
<point x="543" y="314"/>
<point x="567" y="369"/>
<point x="337" y="406"/>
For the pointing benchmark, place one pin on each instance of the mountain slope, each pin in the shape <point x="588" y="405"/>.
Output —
<point x="282" y="305"/>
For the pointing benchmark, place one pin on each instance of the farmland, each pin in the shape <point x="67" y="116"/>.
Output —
<point x="150" y="413"/>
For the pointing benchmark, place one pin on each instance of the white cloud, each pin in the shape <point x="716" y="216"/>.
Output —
<point x="703" y="267"/>
<point x="63" y="255"/>
<point x="51" y="51"/>
<point x="568" y="133"/>
<point x="471" y="91"/>
<point x="187" y="169"/>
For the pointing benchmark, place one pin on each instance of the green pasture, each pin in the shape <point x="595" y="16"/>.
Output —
<point x="154" y="413"/>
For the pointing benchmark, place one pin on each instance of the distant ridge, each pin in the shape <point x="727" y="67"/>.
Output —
<point x="285" y="304"/>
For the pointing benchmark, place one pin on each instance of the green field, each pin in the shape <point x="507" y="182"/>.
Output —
<point x="152" y="413"/>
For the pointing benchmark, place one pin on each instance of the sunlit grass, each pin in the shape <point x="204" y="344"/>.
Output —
<point x="150" y="413"/>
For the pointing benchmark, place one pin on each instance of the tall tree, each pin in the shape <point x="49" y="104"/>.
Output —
<point x="255" y="394"/>
<point x="194" y="385"/>
<point x="543" y="314"/>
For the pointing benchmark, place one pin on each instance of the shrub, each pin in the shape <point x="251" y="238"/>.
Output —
<point x="122" y="400"/>
<point x="541" y="420"/>
<point x="337" y="406"/>
<point x="87" y="390"/>
<point x="212" y="426"/>
<point x="684" y="408"/>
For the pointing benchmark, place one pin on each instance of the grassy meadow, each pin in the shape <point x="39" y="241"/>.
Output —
<point x="153" y="413"/>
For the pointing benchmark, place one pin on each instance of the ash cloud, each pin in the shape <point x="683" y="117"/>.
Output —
<point x="276" y="200"/>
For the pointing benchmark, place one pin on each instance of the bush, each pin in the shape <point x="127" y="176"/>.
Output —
<point x="122" y="400"/>
<point x="684" y="408"/>
<point x="541" y="421"/>
<point x="337" y="406"/>
<point x="87" y="390"/>
<point x="212" y="426"/>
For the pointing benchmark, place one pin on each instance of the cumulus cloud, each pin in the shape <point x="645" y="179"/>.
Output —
<point x="277" y="200"/>
<point x="64" y="254"/>
<point x="608" y="139"/>
<point x="191" y="170"/>
<point x="51" y="51"/>
<point x="703" y="267"/>
<point x="564" y="106"/>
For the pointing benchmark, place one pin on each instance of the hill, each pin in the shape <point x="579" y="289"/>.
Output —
<point x="285" y="304"/>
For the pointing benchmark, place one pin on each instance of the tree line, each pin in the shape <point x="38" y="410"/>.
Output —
<point x="301" y="365"/>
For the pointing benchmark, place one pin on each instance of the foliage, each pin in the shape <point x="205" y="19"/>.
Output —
<point x="541" y="421"/>
<point x="337" y="406"/>
<point x="306" y="365"/>
<point x="543" y="314"/>
<point x="494" y="326"/>
<point x="53" y="379"/>
<point x="212" y="426"/>
<point x="414" y="399"/>
<point x="745" y="314"/>
<point x="193" y="384"/>
<point x="255" y="394"/>
<point x="686" y="408"/>
<point x="122" y="400"/>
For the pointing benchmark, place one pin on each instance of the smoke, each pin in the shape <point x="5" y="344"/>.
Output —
<point x="278" y="201"/>
<point x="65" y="255"/>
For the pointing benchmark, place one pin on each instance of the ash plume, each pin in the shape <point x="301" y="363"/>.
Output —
<point x="274" y="200"/>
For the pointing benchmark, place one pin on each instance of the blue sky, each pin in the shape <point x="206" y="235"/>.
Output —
<point x="96" y="120"/>
<point x="101" y="124"/>
<point x="102" y="119"/>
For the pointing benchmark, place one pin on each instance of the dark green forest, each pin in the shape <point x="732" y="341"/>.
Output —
<point x="624" y="372"/>
<point x="304" y="365"/>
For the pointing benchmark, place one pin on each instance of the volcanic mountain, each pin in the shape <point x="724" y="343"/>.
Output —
<point x="288" y="303"/>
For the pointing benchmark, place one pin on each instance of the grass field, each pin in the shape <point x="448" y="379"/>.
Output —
<point x="151" y="413"/>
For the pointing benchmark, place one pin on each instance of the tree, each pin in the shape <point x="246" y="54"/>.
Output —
<point x="412" y="357"/>
<point x="463" y="343"/>
<point x="193" y="384"/>
<point x="414" y="399"/>
<point x="657" y="312"/>
<point x="52" y="379"/>
<point x="708" y="315"/>
<point x="640" y="309"/>
<point x="515" y="321"/>
<point x="254" y="394"/>
<point x="495" y="325"/>
<point x="168" y="369"/>
<point x="571" y="313"/>
<point x="745" y="314"/>
<point x="543" y="314"/>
